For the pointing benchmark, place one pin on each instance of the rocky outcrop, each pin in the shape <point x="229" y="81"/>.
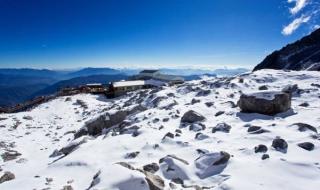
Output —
<point x="268" y="103"/>
<point x="304" y="54"/>
<point x="107" y="120"/>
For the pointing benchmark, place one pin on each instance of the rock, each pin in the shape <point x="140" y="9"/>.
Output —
<point x="197" y="127"/>
<point x="55" y="154"/>
<point x="260" y="148"/>
<point x="132" y="155"/>
<point x="67" y="187"/>
<point x="71" y="147"/>
<point x="304" y="127"/>
<point x="290" y="89"/>
<point x="219" y="113"/>
<point x="209" y="104"/>
<point x="265" y="156"/>
<point x="263" y="87"/>
<point x="155" y="182"/>
<point x="192" y="117"/>
<point x="306" y="145"/>
<point x="165" y="119"/>
<point x="7" y="176"/>
<point x="27" y="117"/>
<point x="280" y="145"/>
<point x="168" y="135"/>
<point x="201" y="136"/>
<point x="268" y="103"/>
<point x="203" y="93"/>
<point x="155" y="120"/>
<point x="222" y="127"/>
<point x="256" y="130"/>
<point x="210" y="164"/>
<point x="10" y="155"/>
<point x="152" y="168"/>
<point x="194" y="101"/>
<point x="305" y="104"/>
<point x="68" y="99"/>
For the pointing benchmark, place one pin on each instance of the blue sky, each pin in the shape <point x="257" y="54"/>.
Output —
<point x="149" y="33"/>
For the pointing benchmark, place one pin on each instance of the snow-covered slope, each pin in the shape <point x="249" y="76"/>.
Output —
<point x="175" y="152"/>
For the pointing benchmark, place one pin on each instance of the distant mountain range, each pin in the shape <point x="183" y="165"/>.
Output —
<point x="303" y="54"/>
<point x="19" y="85"/>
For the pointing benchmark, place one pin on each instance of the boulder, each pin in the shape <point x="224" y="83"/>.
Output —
<point x="192" y="117"/>
<point x="210" y="164"/>
<point x="280" y="145"/>
<point x="302" y="127"/>
<point x="197" y="127"/>
<point x="201" y="136"/>
<point x="306" y="145"/>
<point x="10" y="155"/>
<point x="265" y="156"/>
<point x="268" y="103"/>
<point x="7" y="176"/>
<point x="260" y="148"/>
<point x="219" y="113"/>
<point x="152" y="168"/>
<point x="222" y="127"/>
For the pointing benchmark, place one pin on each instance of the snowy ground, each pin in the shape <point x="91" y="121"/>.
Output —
<point x="52" y="125"/>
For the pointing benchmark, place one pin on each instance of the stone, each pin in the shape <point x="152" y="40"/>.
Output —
<point x="305" y="104"/>
<point x="222" y="127"/>
<point x="10" y="155"/>
<point x="260" y="148"/>
<point x="168" y="135"/>
<point x="306" y="145"/>
<point x="197" y="127"/>
<point x="256" y="130"/>
<point x="152" y="168"/>
<point x="265" y="156"/>
<point x="192" y="117"/>
<point x="263" y="87"/>
<point x="209" y="104"/>
<point x="280" y="145"/>
<point x="268" y="103"/>
<point x="302" y="127"/>
<point x="219" y="113"/>
<point x="194" y="101"/>
<point x="7" y="176"/>
<point x="210" y="164"/>
<point x="201" y="136"/>
<point x="132" y="155"/>
<point x="67" y="187"/>
<point x="290" y="89"/>
<point x="27" y="117"/>
<point x="203" y="93"/>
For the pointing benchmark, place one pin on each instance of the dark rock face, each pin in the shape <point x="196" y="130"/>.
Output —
<point x="192" y="117"/>
<point x="301" y="55"/>
<point x="306" y="145"/>
<point x="280" y="145"/>
<point x="268" y="103"/>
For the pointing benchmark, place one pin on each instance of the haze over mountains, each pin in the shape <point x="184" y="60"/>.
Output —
<point x="19" y="85"/>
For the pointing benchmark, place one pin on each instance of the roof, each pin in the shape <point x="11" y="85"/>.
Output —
<point x="128" y="83"/>
<point x="149" y="71"/>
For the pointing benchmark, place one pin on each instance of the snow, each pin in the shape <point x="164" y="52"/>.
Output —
<point x="53" y="124"/>
<point x="129" y="83"/>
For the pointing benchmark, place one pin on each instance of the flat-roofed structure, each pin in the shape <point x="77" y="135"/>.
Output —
<point x="121" y="87"/>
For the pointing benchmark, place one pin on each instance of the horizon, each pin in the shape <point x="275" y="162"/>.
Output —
<point x="125" y="34"/>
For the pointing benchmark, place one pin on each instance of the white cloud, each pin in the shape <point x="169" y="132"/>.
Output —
<point x="299" y="4"/>
<point x="295" y="24"/>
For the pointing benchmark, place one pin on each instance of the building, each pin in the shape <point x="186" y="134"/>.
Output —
<point x="156" y="75"/>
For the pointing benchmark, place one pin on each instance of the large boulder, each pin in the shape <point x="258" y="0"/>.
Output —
<point x="268" y="103"/>
<point x="192" y="117"/>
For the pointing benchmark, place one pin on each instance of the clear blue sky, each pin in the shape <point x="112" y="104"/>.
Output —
<point x="143" y="33"/>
